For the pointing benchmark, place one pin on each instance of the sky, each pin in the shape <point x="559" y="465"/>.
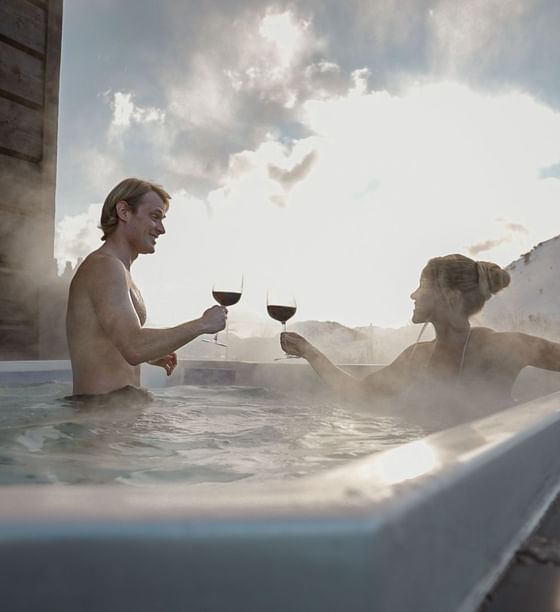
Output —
<point x="324" y="148"/>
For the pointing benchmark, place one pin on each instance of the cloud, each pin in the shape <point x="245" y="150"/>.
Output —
<point x="492" y="43"/>
<point x="194" y="103"/>
<point x="288" y="178"/>
<point x="77" y="235"/>
<point x="286" y="33"/>
<point x="197" y="96"/>
<point x="339" y="142"/>
<point x="473" y="33"/>
<point x="486" y="245"/>
<point x="125" y="111"/>
<point x="514" y="227"/>
<point x="421" y="173"/>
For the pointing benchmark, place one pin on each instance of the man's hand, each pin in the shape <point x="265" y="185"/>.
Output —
<point x="213" y="320"/>
<point x="294" y="344"/>
<point x="168" y="363"/>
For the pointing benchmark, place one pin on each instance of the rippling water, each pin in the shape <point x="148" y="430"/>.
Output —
<point x="187" y="435"/>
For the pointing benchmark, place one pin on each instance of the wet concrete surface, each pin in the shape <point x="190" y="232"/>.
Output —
<point x="532" y="581"/>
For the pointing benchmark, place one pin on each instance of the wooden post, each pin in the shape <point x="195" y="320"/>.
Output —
<point x="30" y="45"/>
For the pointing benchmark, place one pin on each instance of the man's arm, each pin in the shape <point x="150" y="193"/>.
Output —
<point x="109" y="292"/>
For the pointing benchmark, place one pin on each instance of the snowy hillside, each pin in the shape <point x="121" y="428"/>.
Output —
<point x="532" y="301"/>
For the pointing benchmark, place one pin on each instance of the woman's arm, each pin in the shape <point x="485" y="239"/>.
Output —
<point x="383" y="383"/>
<point x="531" y="350"/>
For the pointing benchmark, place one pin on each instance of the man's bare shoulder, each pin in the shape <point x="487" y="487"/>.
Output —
<point x="100" y="262"/>
<point x="98" y="267"/>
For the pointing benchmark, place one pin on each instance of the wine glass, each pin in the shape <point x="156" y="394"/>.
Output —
<point x="281" y="306"/>
<point x="226" y="292"/>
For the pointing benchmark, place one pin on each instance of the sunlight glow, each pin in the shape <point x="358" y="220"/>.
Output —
<point x="282" y="30"/>
<point x="392" y="181"/>
<point x="406" y="462"/>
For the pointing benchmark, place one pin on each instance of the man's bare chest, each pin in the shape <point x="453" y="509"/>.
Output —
<point x="138" y="303"/>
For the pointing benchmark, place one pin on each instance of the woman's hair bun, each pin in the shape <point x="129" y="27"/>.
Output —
<point x="491" y="278"/>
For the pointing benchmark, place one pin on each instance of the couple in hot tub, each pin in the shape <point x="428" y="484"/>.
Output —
<point x="462" y="371"/>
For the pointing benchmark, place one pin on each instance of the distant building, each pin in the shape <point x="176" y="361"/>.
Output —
<point x="30" y="43"/>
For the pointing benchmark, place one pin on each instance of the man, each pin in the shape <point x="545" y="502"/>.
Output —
<point x="106" y="313"/>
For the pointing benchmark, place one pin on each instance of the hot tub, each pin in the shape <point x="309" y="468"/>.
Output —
<point x="426" y="525"/>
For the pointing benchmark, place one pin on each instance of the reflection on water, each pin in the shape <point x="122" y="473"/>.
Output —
<point x="187" y="435"/>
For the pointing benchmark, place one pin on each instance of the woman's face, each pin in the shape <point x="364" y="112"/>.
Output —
<point x="425" y="299"/>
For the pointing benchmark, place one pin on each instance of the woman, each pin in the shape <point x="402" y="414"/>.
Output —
<point x="466" y="372"/>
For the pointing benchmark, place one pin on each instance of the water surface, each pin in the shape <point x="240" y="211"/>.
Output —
<point x="187" y="435"/>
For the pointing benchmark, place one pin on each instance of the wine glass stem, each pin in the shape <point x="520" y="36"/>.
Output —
<point x="227" y="341"/>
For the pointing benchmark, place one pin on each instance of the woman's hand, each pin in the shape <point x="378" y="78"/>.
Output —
<point x="168" y="363"/>
<point x="294" y="344"/>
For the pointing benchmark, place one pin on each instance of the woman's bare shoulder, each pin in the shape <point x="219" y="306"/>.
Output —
<point x="485" y="335"/>
<point x="483" y="331"/>
<point x="419" y="347"/>
<point x="510" y="340"/>
<point x="416" y="352"/>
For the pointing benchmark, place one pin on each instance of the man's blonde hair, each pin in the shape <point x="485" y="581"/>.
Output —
<point x="131" y="190"/>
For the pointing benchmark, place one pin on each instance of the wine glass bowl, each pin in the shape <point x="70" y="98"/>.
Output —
<point x="281" y="313"/>
<point x="226" y="292"/>
<point x="226" y="298"/>
<point x="281" y="307"/>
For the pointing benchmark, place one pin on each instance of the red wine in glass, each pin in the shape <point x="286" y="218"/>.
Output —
<point x="281" y="307"/>
<point x="226" y="297"/>
<point x="281" y="313"/>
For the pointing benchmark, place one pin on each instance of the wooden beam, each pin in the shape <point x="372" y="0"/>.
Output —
<point x="15" y="174"/>
<point x="19" y="299"/>
<point x="50" y="117"/>
<point x="22" y="246"/>
<point x="19" y="341"/>
<point x="21" y="74"/>
<point x="21" y="131"/>
<point x="23" y="23"/>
